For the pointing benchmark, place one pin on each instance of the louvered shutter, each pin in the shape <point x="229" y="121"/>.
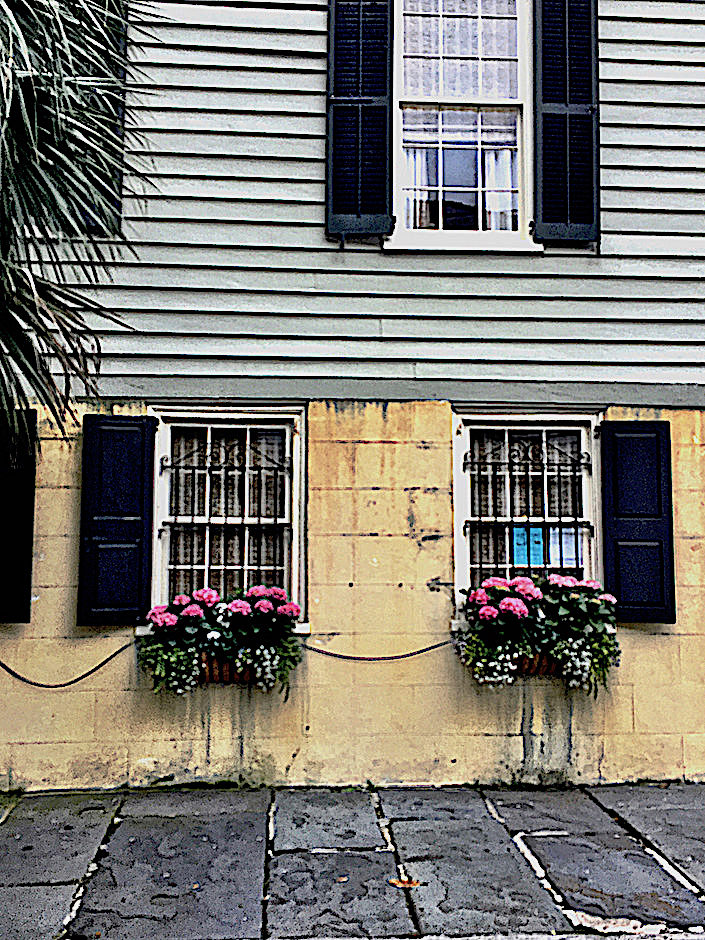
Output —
<point x="116" y="519"/>
<point x="567" y="127"/>
<point x="638" y="520"/>
<point x="17" y="483"/>
<point x="358" y="197"/>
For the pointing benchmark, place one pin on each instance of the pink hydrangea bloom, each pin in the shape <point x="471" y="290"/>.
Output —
<point x="487" y="612"/>
<point x="610" y="598"/>
<point x="527" y="588"/>
<point x="264" y="606"/>
<point x="289" y="610"/>
<point x="170" y="620"/>
<point x="157" y="612"/>
<point x="563" y="580"/>
<point x="240" y="607"/>
<point x="277" y="594"/>
<point x="193" y="610"/>
<point x="259" y="590"/>
<point x="495" y="582"/>
<point x="182" y="600"/>
<point x="591" y="584"/>
<point x="514" y="606"/>
<point x="478" y="597"/>
<point x="207" y="596"/>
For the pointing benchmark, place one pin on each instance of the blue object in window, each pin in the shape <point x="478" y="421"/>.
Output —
<point x="532" y="557"/>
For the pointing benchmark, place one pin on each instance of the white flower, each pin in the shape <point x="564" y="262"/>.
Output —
<point x="213" y="635"/>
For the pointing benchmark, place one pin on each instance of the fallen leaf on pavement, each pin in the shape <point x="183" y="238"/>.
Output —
<point x="404" y="883"/>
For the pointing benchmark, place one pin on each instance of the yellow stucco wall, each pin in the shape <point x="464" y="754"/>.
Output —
<point x="379" y="523"/>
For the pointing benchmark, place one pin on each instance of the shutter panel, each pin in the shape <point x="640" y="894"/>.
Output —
<point x="17" y="483"/>
<point x="567" y="126"/>
<point x="638" y="520"/>
<point x="358" y="197"/>
<point x="116" y="519"/>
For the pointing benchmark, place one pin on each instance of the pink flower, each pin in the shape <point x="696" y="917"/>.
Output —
<point x="181" y="600"/>
<point x="170" y="620"/>
<point x="193" y="610"/>
<point x="610" y="598"/>
<point x="514" y="606"/>
<point x="487" y="612"/>
<point x="562" y="580"/>
<point x="478" y="597"/>
<point x="527" y="588"/>
<point x="264" y="607"/>
<point x="157" y="613"/>
<point x="259" y="590"/>
<point x="207" y="596"/>
<point x="591" y="584"/>
<point x="277" y="594"/>
<point x="289" y="610"/>
<point x="495" y="582"/>
<point x="240" y="607"/>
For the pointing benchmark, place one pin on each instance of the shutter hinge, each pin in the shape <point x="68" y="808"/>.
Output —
<point x="597" y="431"/>
<point x="341" y="246"/>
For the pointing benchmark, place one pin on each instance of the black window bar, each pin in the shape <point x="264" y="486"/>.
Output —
<point x="527" y="503"/>
<point x="229" y="524"/>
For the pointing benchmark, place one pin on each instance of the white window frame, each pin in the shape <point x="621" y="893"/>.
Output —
<point x="469" y="240"/>
<point x="463" y="422"/>
<point x="174" y="415"/>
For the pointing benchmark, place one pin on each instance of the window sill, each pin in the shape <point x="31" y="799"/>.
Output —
<point x="429" y="241"/>
<point x="302" y="629"/>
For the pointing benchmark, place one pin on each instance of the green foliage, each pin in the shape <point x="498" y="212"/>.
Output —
<point x="61" y="164"/>
<point x="568" y="623"/>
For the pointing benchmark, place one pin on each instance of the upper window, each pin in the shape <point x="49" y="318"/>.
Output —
<point x="524" y="501"/>
<point x="460" y="118"/>
<point x="227" y="504"/>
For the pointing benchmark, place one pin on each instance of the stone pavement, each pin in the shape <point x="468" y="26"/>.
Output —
<point x="220" y="864"/>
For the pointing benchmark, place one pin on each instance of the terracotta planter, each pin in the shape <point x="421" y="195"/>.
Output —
<point x="538" y="665"/>
<point x="222" y="671"/>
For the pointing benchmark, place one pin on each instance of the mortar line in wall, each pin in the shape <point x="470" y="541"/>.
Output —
<point x="384" y="828"/>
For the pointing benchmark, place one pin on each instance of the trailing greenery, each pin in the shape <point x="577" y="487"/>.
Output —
<point x="253" y="633"/>
<point x="62" y="84"/>
<point x="513" y="625"/>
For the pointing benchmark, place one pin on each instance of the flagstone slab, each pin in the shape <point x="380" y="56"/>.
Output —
<point x="424" y="803"/>
<point x="338" y="894"/>
<point x="671" y="816"/>
<point x="204" y="802"/>
<point x="473" y="880"/>
<point x="53" y="839"/>
<point x="534" y="810"/>
<point x="609" y="875"/>
<point x="186" y="877"/>
<point x="308" y="819"/>
<point x="34" y="912"/>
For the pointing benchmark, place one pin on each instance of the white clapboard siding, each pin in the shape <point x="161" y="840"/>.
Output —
<point x="233" y="289"/>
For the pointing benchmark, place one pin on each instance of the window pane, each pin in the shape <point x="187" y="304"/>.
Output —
<point x="421" y="77"/>
<point x="459" y="127"/>
<point x="420" y="6"/>
<point x="459" y="35"/>
<point x="459" y="210"/>
<point x="460" y="6"/>
<point x="499" y="38"/>
<point x="268" y="474"/>
<point x="420" y="125"/>
<point x="499" y="7"/>
<point x="459" y="167"/>
<point x="461" y="78"/>
<point x="499" y="77"/>
<point x="422" y="210"/>
<point x="421" y="35"/>
<point x="501" y="212"/>
<point x="421" y="167"/>
<point x="188" y="472"/>
<point x="227" y="472"/>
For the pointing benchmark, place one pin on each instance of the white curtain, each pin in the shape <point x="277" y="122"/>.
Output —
<point x="498" y="175"/>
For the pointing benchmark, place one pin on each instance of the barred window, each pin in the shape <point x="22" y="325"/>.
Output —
<point x="226" y="516"/>
<point x="525" y="498"/>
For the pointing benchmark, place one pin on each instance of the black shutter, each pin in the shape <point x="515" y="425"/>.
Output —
<point x="359" y="184"/>
<point x="638" y="520"/>
<point x="567" y="126"/>
<point x="17" y="484"/>
<point x="116" y="519"/>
